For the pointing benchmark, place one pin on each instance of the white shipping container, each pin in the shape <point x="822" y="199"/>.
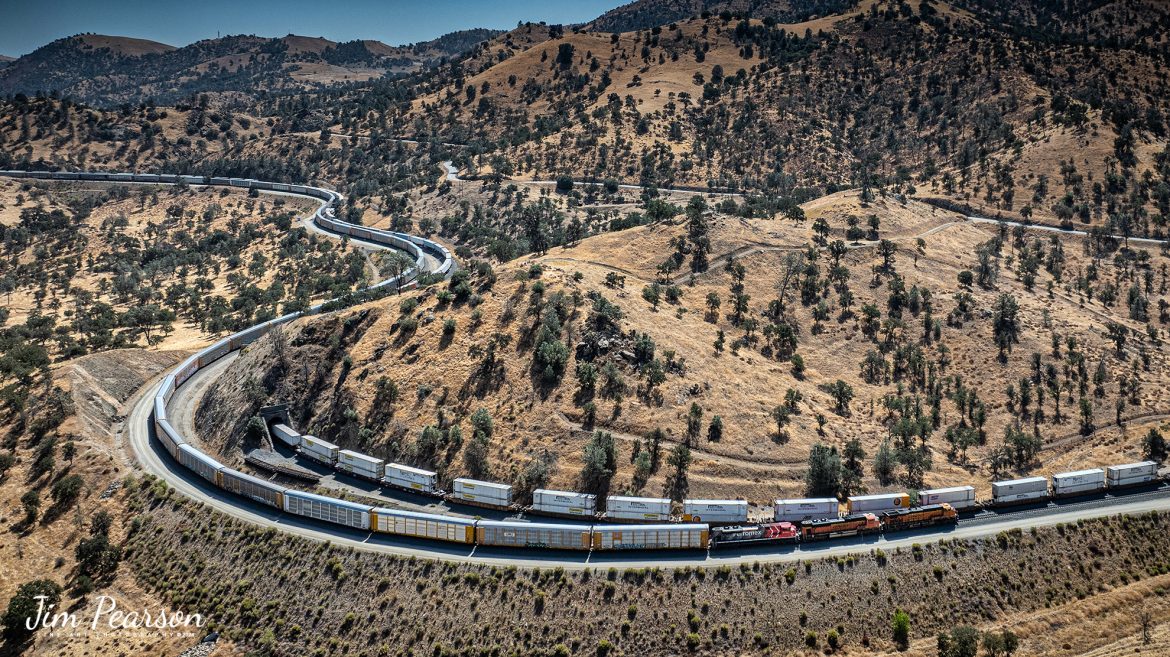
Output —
<point x="1012" y="498"/>
<point x="1131" y="473"/>
<point x="406" y="476"/>
<point x="812" y="508"/>
<point x="286" y="435"/>
<point x="877" y="503"/>
<point x="1009" y="489"/>
<point x="482" y="492"/>
<point x="715" y="510"/>
<point x="360" y="464"/>
<point x="567" y="502"/>
<point x="1081" y="481"/>
<point x="637" y="508"/>
<point x="959" y="497"/>
<point x="318" y="449"/>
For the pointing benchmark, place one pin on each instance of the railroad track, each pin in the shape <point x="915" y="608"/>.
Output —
<point x="153" y="457"/>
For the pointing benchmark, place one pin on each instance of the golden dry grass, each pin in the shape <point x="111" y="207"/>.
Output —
<point x="742" y="387"/>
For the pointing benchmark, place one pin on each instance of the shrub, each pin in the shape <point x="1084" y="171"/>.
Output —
<point x="901" y="627"/>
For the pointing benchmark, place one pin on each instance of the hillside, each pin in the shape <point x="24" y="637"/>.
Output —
<point x="101" y="267"/>
<point x="898" y="360"/>
<point x="920" y="98"/>
<point x="646" y="14"/>
<point x="1078" y="585"/>
<point x="65" y="518"/>
<point x="110" y="70"/>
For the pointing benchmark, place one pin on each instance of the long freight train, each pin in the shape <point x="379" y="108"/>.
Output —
<point x="649" y="525"/>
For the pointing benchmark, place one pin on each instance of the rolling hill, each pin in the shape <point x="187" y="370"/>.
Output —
<point x="1030" y="114"/>
<point x="108" y="70"/>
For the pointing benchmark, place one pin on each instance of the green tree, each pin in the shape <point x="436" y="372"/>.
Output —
<point x="694" y="424"/>
<point x="715" y="429"/>
<point x="600" y="463"/>
<point x="1005" y="324"/>
<point x="1154" y="446"/>
<point x="25" y="605"/>
<point x="853" y="468"/>
<point x="679" y="460"/>
<point x="780" y="415"/>
<point x="901" y="627"/>
<point x="66" y="490"/>
<point x="842" y="394"/>
<point x="31" y="502"/>
<point x="823" y="478"/>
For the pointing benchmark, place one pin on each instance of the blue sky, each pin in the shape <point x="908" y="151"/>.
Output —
<point x="25" y="25"/>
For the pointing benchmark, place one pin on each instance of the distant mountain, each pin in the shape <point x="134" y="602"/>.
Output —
<point x="108" y="70"/>
<point x="645" y="14"/>
<point x="5" y="60"/>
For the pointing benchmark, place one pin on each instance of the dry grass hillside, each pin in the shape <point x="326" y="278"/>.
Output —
<point x="874" y="95"/>
<point x="108" y="70"/>
<point x="1073" y="589"/>
<point x="92" y="259"/>
<point x="373" y="377"/>
<point x="86" y="400"/>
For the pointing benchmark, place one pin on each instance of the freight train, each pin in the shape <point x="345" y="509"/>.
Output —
<point x="647" y="523"/>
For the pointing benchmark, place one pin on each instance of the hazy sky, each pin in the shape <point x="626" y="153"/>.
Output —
<point x="25" y="25"/>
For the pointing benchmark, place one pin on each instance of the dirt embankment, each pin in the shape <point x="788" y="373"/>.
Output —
<point x="1027" y="582"/>
<point x="93" y="391"/>
<point x="302" y="364"/>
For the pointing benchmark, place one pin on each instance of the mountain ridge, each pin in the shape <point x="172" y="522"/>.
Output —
<point x="103" y="70"/>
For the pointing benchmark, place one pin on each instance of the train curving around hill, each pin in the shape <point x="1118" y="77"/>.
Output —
<point x="628" y="523"/>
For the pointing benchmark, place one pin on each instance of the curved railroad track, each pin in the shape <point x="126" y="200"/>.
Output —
<point x="184" y="396"/>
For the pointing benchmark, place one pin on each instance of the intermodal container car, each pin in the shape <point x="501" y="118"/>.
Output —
<point x="796" y="510"/>
<point x="876" y="503"/>
<point x="716" y="511"/>
<point x="564" y="502"/>
<point x="1081" y="482"/>
<point x="319" y="450"/>
<point x="637" y="508"/>
<point x="486" y="493"/>
<point x="1131" y="474"/>
<point x="959" y="497"/>
<point x="1016" y="491"/>
<point x="410" y="478"/>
